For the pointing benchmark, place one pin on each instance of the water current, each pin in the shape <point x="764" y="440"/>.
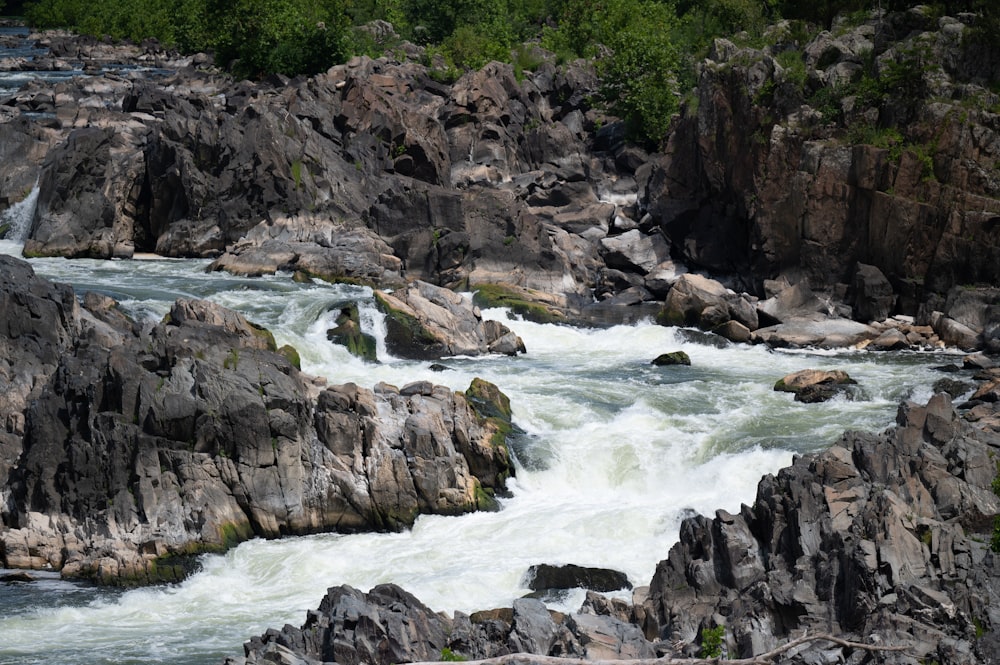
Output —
<point x="615" y="453"/>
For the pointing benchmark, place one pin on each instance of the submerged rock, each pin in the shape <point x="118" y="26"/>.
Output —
<point x="546" y="576"/>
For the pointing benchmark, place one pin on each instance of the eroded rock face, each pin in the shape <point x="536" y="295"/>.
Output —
<point x="876" y="536"/>
<point x="123" y="447"/>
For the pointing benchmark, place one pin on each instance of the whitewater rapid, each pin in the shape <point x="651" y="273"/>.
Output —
<point x="614" y="454"/>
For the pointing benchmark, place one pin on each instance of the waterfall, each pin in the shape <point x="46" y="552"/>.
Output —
<point x="19" y="216"/>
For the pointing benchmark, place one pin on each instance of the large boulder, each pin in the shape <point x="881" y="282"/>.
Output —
<point x="872" y="296"/>
<point x="700" y="301"/>
<point x="814" y="385"/>
<point x="424" y="321"/>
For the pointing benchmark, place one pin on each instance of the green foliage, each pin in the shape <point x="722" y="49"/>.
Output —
<point x="447" y="655"/>
<point x="639" y="80"/>
<point x="711" y="641"/>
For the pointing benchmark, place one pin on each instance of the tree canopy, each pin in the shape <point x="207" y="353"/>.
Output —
<point x="644" y="50"/>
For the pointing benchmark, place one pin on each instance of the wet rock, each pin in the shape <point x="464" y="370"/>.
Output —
<point x="348" y="333"/>
<point x="428" y="322"/>
<point x="672" y="358"/>
<point x="811" y="385"/>
<point x="196" y="434"/>
<point x="546" y="576"/>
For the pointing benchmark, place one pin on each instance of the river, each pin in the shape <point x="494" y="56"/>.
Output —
<point x="615" y="453"/>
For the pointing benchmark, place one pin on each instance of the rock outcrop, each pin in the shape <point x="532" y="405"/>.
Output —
<point x="123" y="447"/>
<point x="782" y="168"/>
<point x="882" y="537"/>
<point x="388" y="625"/>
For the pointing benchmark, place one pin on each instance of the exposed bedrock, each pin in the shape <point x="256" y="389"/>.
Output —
<point x="883" y="537"/>
<point x="122" y="447"/>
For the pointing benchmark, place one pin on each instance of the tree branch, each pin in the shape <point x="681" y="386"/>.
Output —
<point x="761" y="659"/>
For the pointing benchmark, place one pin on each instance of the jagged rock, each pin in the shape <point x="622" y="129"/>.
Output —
<point x="388" y="625"/>
<point x="428" y="322"/>
<point x="876" y="548"/>
<point x="672" y="358"/>
<point x="546" y="576"/>
<point x="316" y="247"/>
<point x="126" y="447"/>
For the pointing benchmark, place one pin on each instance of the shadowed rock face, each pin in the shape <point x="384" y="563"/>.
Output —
<point x="876" y="536"/>
<point x="123" y="447"/>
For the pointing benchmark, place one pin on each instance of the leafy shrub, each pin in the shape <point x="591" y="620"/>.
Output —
<point x="711" y="642"/>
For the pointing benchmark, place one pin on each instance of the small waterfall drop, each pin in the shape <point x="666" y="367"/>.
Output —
<point x="19" y="216"/>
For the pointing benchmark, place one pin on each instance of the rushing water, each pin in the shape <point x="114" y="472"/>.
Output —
<point x="616" y="453"/>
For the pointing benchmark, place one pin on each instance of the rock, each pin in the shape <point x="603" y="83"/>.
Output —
<point x="864" y="529"/>
<point x="953" y="387"/>
<point x="872" y="295"/>
<point x="316" y="247"/>
<point x="954" y="333"/>
<point x="428" y="322"/>
<point x="824" y="333"/>
<point x="197" y="434"/>
<point x="812" y="385"/>
<point x="348" y="333"/>
<point x="734" y="331"/>
<point x="546" y="576"/>
<point x="696" y="300"/>
<point x="890" y="340"/>
<point x="672" y="358"/>
<point x="635" y="252"/>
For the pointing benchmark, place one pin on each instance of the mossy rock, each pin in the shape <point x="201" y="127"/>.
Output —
<point x="495" y="295"/>
<point x="672" y="358"/>
<point x="291" y="354"/>
<point x="488" y="400"/>
<point x="348" y="333"/>
<point x="4" y="229"/>
<point x="493" y="409"/>
<point x="406" y="336"/>
<point x="264" y="334"/>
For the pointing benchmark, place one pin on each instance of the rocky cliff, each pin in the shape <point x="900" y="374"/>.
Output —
<point x="123" y="447"/>
<point x="876" y="142"/>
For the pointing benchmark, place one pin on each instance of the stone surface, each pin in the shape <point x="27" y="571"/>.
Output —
<point x="424" y="321"/>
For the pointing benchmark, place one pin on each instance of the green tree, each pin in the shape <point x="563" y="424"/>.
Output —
<point x="639" y="75"/>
